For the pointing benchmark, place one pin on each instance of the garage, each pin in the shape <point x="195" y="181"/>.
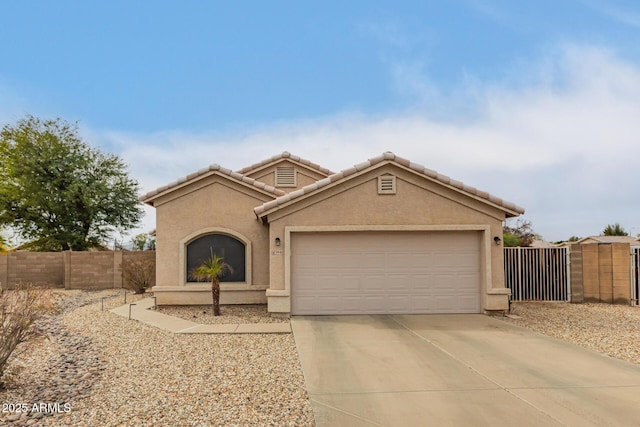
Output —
<point x="385" y="272"/>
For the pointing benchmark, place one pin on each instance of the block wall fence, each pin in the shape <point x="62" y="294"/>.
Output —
<point x="68" y="270"/>
<point x="601" y="273"/>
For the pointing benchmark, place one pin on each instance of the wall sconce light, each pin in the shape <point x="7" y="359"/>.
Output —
<point x="277" y="241"/>
<point x="497" y="239"/>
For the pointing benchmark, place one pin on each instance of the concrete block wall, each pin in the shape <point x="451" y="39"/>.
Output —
<point x="600" y="273"/>
<point x="39" y="268"/>
<point x="93" y="270"/>
<point x="591" y="273"/>
<point x="4" y="271"/>
<point x="621" y="278"/>
<point x="71" y="270"/>
<point x="605" y="273"/>
<point x="576" y="280"/>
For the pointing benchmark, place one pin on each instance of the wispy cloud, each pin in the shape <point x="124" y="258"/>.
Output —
<point x="491" y="10"/>
<point x="560" y="138"/>
<point x="623" y="16"/>
<point x="565" y="151"/>
<point x="388" y="34"/>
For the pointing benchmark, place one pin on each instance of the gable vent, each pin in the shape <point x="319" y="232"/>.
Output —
<point x="386" y="184"/>
<point x="285" y="176"/>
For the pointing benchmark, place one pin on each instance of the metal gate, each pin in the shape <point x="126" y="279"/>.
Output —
<point x="635" y="274"/>
<point x="537" y="274"/>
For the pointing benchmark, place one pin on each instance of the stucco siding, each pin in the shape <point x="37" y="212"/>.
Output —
<point x="219" y="204"/>
<point x="304" y="175"/>
<point x="362" y="198"/>
<point x="417" y="202"/>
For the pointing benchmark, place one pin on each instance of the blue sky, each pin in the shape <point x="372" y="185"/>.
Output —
<point x="535" y="102"/>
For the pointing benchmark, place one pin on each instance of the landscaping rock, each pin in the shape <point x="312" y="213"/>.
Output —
<point x="613" y="330"/>
<point x="111" y="371"/>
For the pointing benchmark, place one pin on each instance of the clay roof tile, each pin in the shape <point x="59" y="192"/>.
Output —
<point x="285" y="155"/>
<point x="376" y="160"/>
<point x="335" y="177"/>
<point x="404" y="162"/>
<point x="362" y="166"/>
<point x="215" y="168"/>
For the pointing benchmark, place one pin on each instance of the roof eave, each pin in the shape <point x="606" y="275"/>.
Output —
<point x="250" y="183"/>
<point x="285" y="156"/>
<point x="510" y="209"/>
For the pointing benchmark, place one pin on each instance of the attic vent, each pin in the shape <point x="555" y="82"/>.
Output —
<point x="386" y="184"/>
<point x="285" y="176"/>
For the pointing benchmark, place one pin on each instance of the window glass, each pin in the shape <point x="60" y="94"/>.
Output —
<point x="230" y="249"/>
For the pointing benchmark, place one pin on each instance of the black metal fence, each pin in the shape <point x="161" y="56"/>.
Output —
<point x="635" y="275"/>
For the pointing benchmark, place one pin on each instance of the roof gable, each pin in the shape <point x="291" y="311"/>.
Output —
<point x="205" y="173"/>
<point x="285" y="157"/>
<point x="608" y="239"/>
<point x="510" y="209"/>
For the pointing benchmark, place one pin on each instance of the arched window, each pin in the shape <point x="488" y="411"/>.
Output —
<point x="229" y="248"/>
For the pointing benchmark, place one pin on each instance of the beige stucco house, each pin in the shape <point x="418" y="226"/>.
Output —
<point x="608" y="239"/>
<point x="385" y="236"/>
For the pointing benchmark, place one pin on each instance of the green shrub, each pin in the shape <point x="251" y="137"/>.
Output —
<point x="510" y="240"/>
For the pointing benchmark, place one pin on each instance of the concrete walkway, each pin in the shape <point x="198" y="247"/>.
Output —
<point x="457" y="370"/>
<point x="140" y="311"/>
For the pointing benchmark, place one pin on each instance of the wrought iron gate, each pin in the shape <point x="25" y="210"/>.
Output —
<point x="537" y="274"/>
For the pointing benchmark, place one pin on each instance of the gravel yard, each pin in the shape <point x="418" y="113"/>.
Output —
<point x="229" y="314"/>
<point x="613" y="330"/>
<point x="104" y="370"/>
<point x="113" y="372"/>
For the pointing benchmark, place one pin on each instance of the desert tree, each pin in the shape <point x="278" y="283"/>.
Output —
<point x="614" y="230"/>
<point x="519" y="234"/>
<point x="57" y="192"/>
<point x="143" y="241"/>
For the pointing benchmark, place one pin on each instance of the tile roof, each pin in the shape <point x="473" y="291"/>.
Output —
<point x="203" y="173"/>
<point x="611" y="239"/>
<point x="542" y="244"/>
<point x="389" y="157"/>
<point x="285" y="155"/>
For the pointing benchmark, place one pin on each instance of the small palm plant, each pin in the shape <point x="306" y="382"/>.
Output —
<point x="213" y="269"/>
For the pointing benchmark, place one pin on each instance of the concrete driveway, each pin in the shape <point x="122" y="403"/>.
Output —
<point x="457" y="370"/>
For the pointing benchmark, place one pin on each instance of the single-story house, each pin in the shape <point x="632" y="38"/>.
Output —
<point x="632" y="241"/>
<point x="542" y="244"/>
<point x="608" y="239"/>
<point x="384" y="236"/>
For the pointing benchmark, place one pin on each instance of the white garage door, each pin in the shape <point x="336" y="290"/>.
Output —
<point x="385" y="272"/>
